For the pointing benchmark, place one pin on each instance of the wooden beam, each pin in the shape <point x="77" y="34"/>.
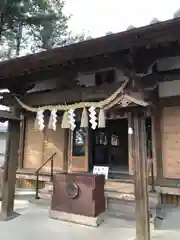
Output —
<point x="78" y="94"/>
<point x="94" y="93"/>
<point x="170" y="101"/>
<point x="141" y="178"/>
<point x="144" y="86"/>
<point x="10" y="166"/>
<point x="59" y="70"/>
<point x="8" y="115"/>
<point x="144" y="56"/>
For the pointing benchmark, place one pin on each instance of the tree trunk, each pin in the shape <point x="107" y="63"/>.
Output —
<point x="18" y="39"/>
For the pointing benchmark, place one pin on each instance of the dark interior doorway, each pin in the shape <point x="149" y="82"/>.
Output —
<point x="109" y="146"/>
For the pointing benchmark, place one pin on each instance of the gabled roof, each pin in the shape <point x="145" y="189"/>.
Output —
<point x="158" y="33"/>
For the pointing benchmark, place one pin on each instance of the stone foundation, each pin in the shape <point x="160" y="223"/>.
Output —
<point x="79" y="219"/>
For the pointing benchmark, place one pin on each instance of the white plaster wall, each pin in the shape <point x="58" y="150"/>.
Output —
<point x="169" y="88"/>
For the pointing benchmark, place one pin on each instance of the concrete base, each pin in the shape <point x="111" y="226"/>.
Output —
<point x="79" y="219"/>
<point x="8" y="218"/>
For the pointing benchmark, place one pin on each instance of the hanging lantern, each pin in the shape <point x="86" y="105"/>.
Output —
<point x="39" y="122"/>
<point x="53" y="120"/>
<point x="71" y="119"/>
<point x="93" y="118"/>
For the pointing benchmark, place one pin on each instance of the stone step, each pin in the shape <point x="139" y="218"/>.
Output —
<point x="111" y="186"/>
<point x="24" y="191"/>
<point x="46" y="192"/>
<point x="41" y="202"/>
<point x="48" y="186"/>
<point x="24" y="194"/>
<point x="121" y="208"/>
<point x="112" y="191"/>
<point x="117" y="202"/>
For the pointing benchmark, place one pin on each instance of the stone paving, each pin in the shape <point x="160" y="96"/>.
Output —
<point x="35" y="224"/>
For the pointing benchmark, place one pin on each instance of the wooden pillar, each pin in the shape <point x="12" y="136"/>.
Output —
<point x="141" y="177"/>
<point x="66" y="142"/>
<point x="10" y="166"/>
<point x="157" y="113"/>
<point x="130" y="145"/>
<point x="22" y="141"/>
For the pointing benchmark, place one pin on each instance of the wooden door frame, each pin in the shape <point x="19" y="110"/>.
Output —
<point x="131" y="144"/>
<point x="71" y="158"/>
<point x="129" y="138"/>
<point x="88" y="146"/>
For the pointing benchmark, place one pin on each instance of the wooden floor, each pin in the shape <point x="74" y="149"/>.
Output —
<point x="169" y="199"/>
<point x="119" y="170"/>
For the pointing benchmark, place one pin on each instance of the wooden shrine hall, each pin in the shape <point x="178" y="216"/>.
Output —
<point x="111" y="101"/>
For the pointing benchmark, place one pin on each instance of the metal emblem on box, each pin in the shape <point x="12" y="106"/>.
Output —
<point x="72" y="190"/>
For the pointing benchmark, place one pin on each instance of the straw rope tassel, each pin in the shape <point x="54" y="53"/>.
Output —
<point x="65" y="121"/>
<point x="52" y="120"/>
<point x="36" y="127"/>
<point x="101" y="119"/>
<point x="50" y="124"/>
<point x="39" y="121"/>
<point x="84" y="119"/>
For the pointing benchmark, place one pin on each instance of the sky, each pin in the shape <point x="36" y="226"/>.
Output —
<point x="97" y="17"/>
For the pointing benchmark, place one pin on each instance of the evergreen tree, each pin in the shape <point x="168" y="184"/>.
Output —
<point x="40" y="24"/>
<point x="16" y="17"/>
<point x="54" y="33"/>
